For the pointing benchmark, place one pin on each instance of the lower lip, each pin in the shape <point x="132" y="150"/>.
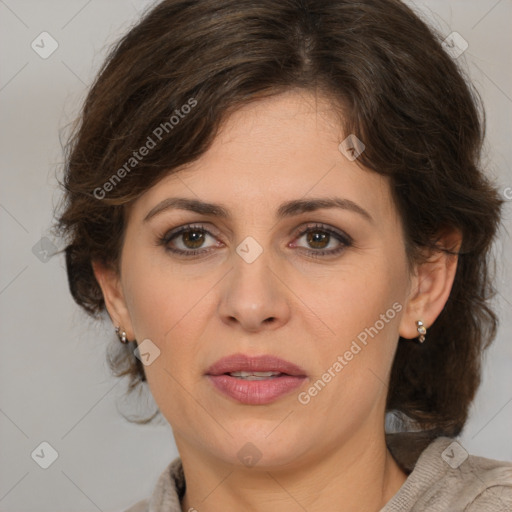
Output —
<point x="256" y="392"/>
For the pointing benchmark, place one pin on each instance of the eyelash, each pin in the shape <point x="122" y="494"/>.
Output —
<point x="345" y="240"/>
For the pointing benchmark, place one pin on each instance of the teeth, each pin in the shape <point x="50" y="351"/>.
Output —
<point x="254" y="375"/>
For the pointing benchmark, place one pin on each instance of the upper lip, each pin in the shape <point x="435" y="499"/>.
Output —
<point x="262" y="363"/>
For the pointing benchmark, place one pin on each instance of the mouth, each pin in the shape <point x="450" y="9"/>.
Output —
<point x="257" y="380"/>
<point x="255" y="375"/>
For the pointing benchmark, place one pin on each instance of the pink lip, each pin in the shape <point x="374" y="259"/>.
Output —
<point x="255" y="392"/>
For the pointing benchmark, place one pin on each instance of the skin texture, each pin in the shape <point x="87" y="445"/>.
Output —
<point x="330" y="451"/>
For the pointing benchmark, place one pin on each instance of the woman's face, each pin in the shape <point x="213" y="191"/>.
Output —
<point x="323" y="289"/>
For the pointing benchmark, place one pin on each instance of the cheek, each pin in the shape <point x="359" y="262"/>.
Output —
<point x="168" y="306"/>
<point x="364" y="308"/>
<point x="165" y="307"/>
<point x="360" y="294"/>
<point x="158" y="294"/>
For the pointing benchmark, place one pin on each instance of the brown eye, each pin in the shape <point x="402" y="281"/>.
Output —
<point x="190" y="240"/>
<point x="193" y="239"/>
<point x="319" y="237"/>
<point x="187" y="240"/>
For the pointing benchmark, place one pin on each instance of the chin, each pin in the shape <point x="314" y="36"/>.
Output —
<point x="257" y="446"/>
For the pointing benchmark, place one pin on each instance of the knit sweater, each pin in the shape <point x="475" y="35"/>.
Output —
<point x="442" y="477"/>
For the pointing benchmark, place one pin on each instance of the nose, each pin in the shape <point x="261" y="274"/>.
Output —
<point x="254" y="297"/>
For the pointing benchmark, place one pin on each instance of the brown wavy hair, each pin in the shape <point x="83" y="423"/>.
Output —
<point x="386" y="73"/>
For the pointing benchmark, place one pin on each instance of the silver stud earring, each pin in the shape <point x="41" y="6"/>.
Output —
<point x="422" y="331"/>
<point x="121" y="335"/>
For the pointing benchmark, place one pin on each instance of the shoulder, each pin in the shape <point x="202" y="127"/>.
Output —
<point x="445" y="477"/>
<point x="466" y="482"/>
<point x="486" y="482"/>
<point x="167" y="492"/>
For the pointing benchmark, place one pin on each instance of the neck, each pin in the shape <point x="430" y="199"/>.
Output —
<point x="358" y="476"/>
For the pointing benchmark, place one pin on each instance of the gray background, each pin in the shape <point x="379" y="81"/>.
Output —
<point x="55" y="385"/>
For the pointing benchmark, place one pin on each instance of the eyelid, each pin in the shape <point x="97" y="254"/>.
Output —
<point x="308" y="226"/>
<point x="342" y="237"/>
<point x="174" y="232"/>
<point x="298" y="231"/>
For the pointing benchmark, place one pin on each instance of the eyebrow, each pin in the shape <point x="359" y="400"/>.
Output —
<point x="287" y="209"/>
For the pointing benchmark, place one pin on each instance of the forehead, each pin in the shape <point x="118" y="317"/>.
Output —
<point x="270" y="151"/>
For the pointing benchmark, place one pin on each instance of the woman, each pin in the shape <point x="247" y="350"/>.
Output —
<point x="281" y="207"/>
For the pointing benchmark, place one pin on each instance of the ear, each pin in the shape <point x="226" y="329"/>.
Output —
<point x="110" y="283"/>
<point x="431" y="284"/>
